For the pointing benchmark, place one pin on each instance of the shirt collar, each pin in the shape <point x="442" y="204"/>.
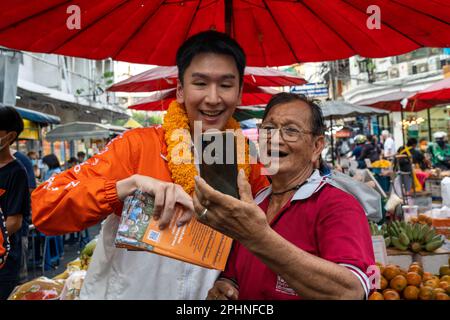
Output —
<point x="313" y="184"/>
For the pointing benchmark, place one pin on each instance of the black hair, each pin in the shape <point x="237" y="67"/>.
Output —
<point x="317" y="124"/>
<point x="210" y="42"/>
<point x="72" y="160"/>
<point x="81" y="153"/>
<point x="51" y="161"/>
<point x="411" y="142"/>
<point x="10" y="120"/>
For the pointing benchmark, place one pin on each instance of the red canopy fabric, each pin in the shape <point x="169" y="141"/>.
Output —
<point x="272" y="32"/>
<point x="159" y="101"/>
<point x="162" y="78"/>
<point x="390" y="101"/>
<point x="437" y="93"/>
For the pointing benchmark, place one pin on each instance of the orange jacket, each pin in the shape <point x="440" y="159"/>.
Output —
<point x="82" y="196"/>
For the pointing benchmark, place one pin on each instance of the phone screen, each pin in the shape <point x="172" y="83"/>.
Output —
<point x="218" y="165"/>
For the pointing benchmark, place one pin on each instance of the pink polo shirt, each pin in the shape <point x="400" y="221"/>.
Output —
<point x="320" y="219"/>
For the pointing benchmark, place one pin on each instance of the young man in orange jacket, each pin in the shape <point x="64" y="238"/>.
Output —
<point x="211" y="68"/>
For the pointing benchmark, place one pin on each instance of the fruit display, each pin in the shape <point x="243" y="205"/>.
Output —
<point x="422" y="219"/>
<point x="412" y="284"/>
<point x="408" y="236"/>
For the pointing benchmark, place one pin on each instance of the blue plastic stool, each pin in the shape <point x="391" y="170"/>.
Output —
<point x="52" y="251"/>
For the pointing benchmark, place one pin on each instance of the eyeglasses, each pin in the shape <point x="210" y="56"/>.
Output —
<point x="288" y="133"/>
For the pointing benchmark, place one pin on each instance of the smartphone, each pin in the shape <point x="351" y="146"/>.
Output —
<point x="218" y="161"/>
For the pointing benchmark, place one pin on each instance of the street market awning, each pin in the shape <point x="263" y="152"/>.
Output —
<point x="436" y="94"/>
<point x="272" y="32"/>
<point x="36" y="116"/>
<point x="340" y="109"/>
<point x="390" y="101"/>
<point x="83" y="130"/>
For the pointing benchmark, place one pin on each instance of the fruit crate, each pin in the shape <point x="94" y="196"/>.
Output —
<point x="432" y="261"/>
<point x="442" y="226"/>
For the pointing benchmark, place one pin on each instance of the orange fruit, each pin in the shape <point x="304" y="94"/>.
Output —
<point x="445" y="285"/>
<point x="390" y="294"/>
<point x="376" y="296"/>
<point x="390" y="272"/>
<point x="427" y="276"/>
<point x="430" y="283"/>
<point x="446" y="278"/>
<point x="383" y="283"/>
<point x="441" y="296"/>
<point x="411" y="293"/>
<point x="398" y="283"/>
<point x="426" y="293"/>
<point x="416" y="268"/>
<point x="436" y="290"/>
<point x="413" y="279"/>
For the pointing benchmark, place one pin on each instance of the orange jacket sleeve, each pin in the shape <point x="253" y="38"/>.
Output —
<point x="257" y="180"/>
<point x="82" y="196"/>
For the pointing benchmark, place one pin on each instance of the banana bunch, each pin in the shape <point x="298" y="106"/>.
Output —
<point x="415" y="237"/>
<point x="375" y="231"/>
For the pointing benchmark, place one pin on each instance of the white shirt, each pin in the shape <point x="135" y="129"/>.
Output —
<point x="119" y="274"/>
<point x="389" y="147"/>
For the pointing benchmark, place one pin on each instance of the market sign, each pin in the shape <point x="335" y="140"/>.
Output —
<point x="30" y="130"/>
<point x="344" y="133"/>
<point x="312" y="90"/>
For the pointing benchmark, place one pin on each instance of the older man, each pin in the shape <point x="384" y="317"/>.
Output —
<point x="301" y="237"/>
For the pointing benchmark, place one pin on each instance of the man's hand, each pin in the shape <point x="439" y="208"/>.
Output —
<point x="223" y="290"/>
<point x="167" y="196"/>
<point x="241" y="220"/>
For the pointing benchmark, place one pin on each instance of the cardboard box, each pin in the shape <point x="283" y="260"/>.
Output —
<point x="442" y="226"/>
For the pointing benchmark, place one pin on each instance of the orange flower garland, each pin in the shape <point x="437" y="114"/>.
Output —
<point x="183" y="170"/>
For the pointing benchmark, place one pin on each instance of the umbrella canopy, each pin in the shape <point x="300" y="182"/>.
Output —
<point x="163" y="77"/>
<point x="160" y="101"/>
<point x="272" y="32"/>
<point x="82" y="130"/>
<point x="390" y="101"/>
<point x="340" y="109"/>
<point x="437" y="93"/>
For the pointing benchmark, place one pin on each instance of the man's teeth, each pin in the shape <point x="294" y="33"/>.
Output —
<point x="211" y="113"/>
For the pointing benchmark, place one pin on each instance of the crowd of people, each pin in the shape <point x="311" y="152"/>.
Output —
<point x="421" y="154"/>
<point x="20" y="174"/>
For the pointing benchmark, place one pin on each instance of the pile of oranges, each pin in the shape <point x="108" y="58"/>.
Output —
<point x="414" y="284"/>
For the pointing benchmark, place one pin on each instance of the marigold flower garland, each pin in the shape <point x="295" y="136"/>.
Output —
<point x="182" y="168"/>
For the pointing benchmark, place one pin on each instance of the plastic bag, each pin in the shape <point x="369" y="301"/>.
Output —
<point x="41" y="288"/>
<point x="72" y="287"/>
<point x="445" y="191"/>
<point x="369" y="199"/>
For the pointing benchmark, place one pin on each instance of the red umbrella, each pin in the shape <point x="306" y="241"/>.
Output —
<point x="390" y="101"/>
<point x="162" y="78"/>
<point x="272" y="32"/>
<point x="159" y="101"/>
<point x="437" y="93"/>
